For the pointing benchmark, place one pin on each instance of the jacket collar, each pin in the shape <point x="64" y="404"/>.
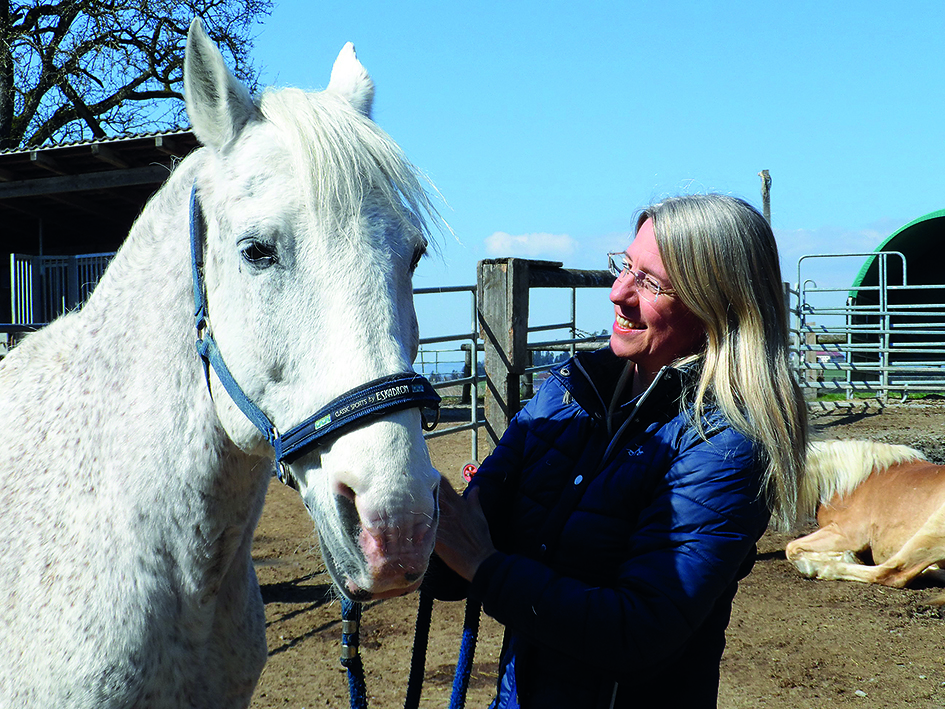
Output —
<point x="591" y="378"/>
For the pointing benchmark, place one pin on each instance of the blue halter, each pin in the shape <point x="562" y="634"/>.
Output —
<point x="352" y="409"/>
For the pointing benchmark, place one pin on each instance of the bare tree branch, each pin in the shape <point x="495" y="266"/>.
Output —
<point x="82" y="68"/>
<point x="82" y="111"/>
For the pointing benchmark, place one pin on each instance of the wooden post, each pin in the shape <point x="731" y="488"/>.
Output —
<point x="786" y="295"/>
<point x="503" y="321"/>
<point x="468" y="353"/>
<point x="766" y="194"/>
<point x="528" y="381"/>
<point x="502" y="295"/>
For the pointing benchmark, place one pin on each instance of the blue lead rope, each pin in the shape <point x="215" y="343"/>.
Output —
<point x="351" y="658"/>
<point x="418" y="658"/>
<point x="467" y="650"/>
<point x="350" y="655"/>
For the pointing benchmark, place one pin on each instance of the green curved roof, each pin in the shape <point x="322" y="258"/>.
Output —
<point x="916" y="240"/>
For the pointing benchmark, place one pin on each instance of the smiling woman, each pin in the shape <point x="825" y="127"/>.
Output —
<point x="632" y="489"/>
<point x="653" y="327"/>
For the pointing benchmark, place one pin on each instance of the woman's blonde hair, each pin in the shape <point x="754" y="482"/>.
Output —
<point x="722" y="259"/>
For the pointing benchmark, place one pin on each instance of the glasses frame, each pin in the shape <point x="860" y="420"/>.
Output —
<point x="642" y="281"/>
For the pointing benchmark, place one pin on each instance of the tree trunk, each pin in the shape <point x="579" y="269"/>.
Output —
<point x="6" y="77"/>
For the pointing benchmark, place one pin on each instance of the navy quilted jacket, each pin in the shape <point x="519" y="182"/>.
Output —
<point x="620" y="552"/>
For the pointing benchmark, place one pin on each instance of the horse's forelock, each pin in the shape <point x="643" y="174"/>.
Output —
<point x="343" y="156"/>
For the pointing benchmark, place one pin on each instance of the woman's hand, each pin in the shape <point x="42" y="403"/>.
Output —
<point x="462" y="540"/>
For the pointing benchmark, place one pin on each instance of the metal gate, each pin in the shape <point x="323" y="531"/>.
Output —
<point x="45" y="287"/>
<point x="884" y="340"/>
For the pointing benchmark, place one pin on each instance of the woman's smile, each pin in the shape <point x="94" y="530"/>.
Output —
<point x="623" y="323"/>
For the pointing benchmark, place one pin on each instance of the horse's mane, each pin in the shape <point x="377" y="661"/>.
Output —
<point x="837" y="467"/>
<point x="323" y="129"/>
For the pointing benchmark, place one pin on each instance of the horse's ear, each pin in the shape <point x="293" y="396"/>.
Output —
<point x="350" y="79"/>
<point x="218" y="105"/>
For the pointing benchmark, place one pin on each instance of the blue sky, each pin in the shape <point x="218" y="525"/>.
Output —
<point x="546" y="125"/>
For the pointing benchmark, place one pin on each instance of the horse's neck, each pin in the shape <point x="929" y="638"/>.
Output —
<point x="134" y="343"/>
<point x="198" y="482"/>
<point x="141" y="313"/>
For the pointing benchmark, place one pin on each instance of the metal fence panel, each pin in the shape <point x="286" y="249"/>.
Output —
<point x="883" y="340"/>
<point x="45" y="287"/>
<point x="24" y="274"/>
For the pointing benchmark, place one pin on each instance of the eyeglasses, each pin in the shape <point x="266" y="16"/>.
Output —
<point x="648" y="287"/>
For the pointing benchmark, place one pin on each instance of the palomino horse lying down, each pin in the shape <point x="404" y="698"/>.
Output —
<point x="876" y="503"/>
<point x="133" y="466"/>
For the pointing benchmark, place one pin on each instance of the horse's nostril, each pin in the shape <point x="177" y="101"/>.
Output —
<point x="348" y="513"/>
<point x="343" y="490"/>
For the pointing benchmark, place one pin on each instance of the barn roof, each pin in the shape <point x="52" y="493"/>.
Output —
<point x="82" y="197"/>
<point x="921" y="241"/>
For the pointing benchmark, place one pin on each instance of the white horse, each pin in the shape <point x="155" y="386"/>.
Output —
<point x="131" y="484"/>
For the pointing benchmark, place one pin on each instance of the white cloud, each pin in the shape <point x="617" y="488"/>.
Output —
<point x="835" y="271"/>
<point x="557" y="247"/>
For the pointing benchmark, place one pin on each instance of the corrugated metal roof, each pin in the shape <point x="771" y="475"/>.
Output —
<point x="90" y="141"/>
<point x="917" y="240"/>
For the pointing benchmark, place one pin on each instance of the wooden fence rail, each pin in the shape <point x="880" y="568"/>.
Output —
<point x="503" y="287"/>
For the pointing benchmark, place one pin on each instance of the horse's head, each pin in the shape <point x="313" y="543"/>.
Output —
<point x="314" y="224"/>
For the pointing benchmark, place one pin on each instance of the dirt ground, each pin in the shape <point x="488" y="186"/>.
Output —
<point x="792" y="643"/>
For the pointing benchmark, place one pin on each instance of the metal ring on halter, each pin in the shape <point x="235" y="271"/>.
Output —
<point x="285" y="476"/>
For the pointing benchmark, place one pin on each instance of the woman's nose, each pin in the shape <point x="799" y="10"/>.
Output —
<point x="623" y="290"/>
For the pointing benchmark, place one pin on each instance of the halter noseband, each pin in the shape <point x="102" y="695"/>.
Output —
<point x="350" y="410"/>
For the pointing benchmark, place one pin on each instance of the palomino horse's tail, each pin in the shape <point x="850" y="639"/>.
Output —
<point x="837" y="467"/>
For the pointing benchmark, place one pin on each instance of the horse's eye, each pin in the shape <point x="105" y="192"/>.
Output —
<point x="257" y="253"/>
